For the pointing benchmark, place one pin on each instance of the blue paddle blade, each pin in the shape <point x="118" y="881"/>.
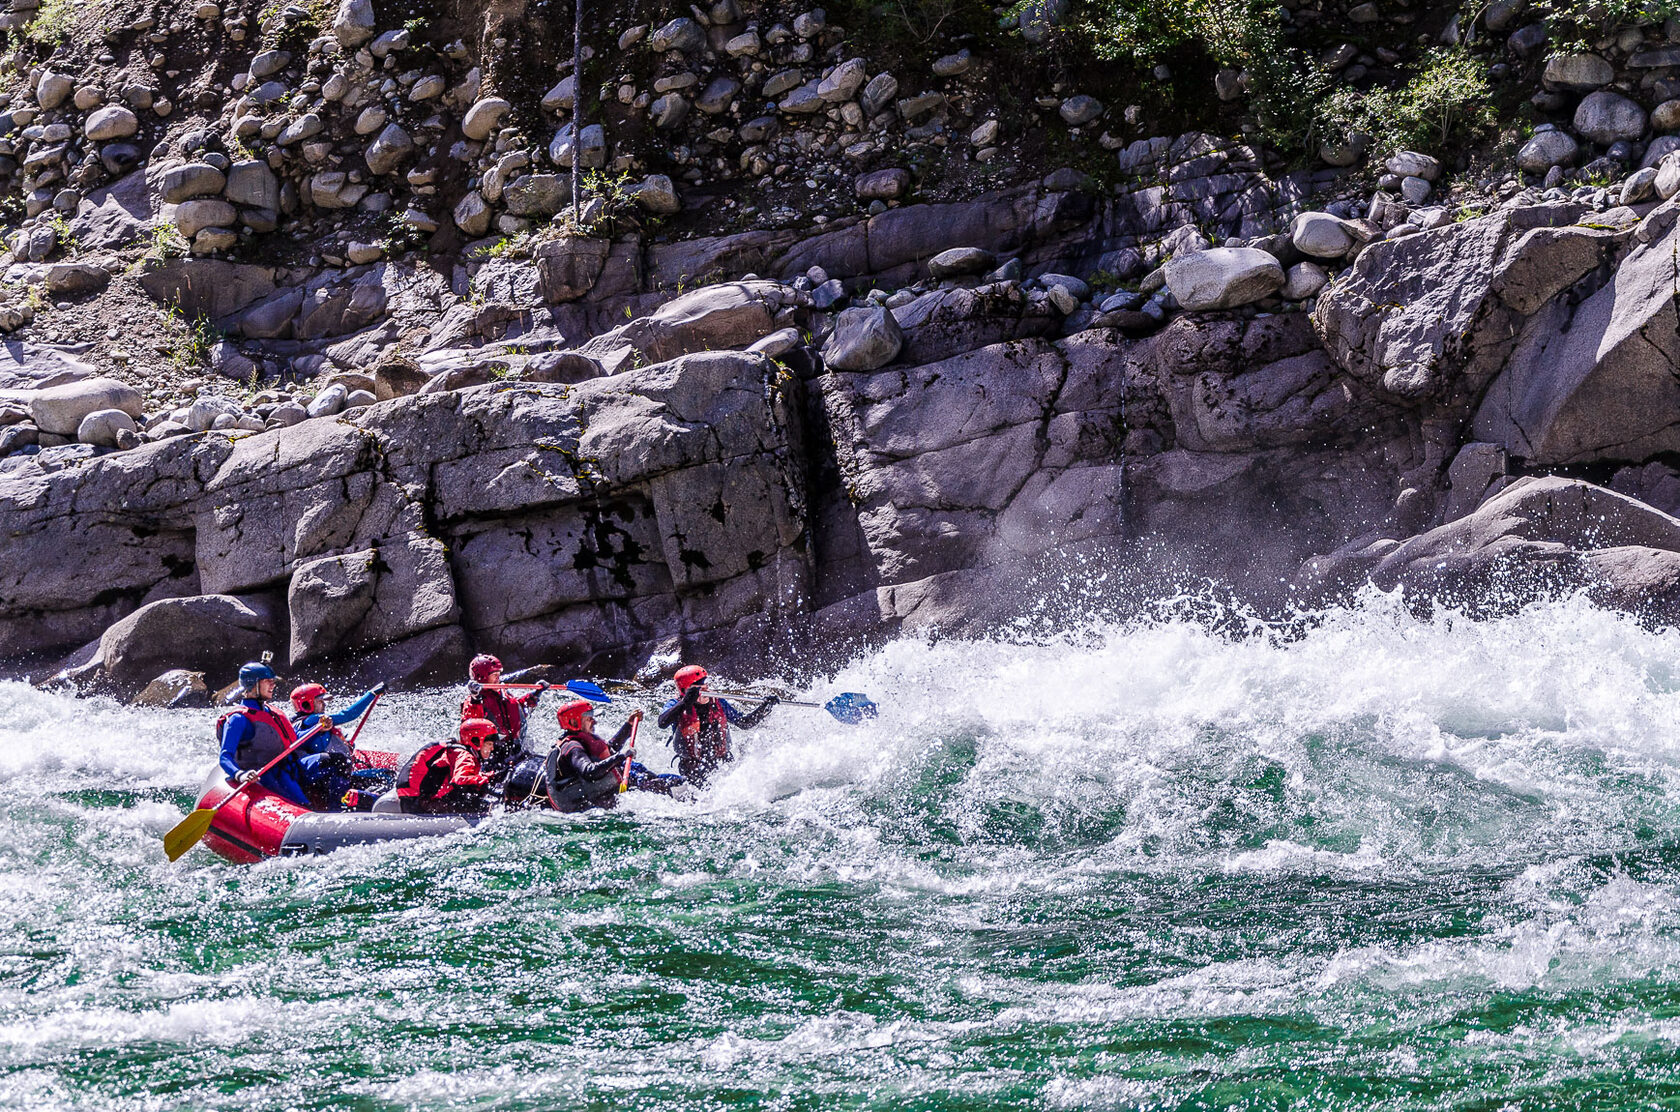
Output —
<point x="588" y="690"/>
<point x="851" y="707"/>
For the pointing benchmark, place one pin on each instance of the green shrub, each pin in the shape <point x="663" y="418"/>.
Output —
<point x="1574" y="25"/>
<point x="1446" y="102"/>
<point x="1141" y="31"/>
<point x="53" y="22"/>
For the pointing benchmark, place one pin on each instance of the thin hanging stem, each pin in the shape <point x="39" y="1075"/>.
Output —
<point x="577" y="103"/>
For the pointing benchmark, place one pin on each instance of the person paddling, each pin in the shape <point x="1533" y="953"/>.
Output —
<point x="445" y="777"/>
<point x="255" y="733"/>
<point x="332" y="781"/>
<point x="507" y="712"/>
<point x="583" y="768"/>
<point x="699" y="724"/>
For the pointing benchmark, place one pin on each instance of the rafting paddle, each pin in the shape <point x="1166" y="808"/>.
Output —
<point x="850" y="707"/>
<point x="186" y="834"/>
<point x="624" y="769"/>
<point x="377" y="695"/>
<point x="587" y="690"/>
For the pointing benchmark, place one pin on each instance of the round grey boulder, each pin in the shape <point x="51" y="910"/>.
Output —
<point x="484" y="117"/>
<point x="1223" y="277"/>
<point x="1320" y="235"/>
<point x="1577" y="73"/>
<point x="1606" y="117"/>
<point x="1546" y="149"/>
<point x="1080" y="110"/>
<point x="1303" y="281"/>
<point x="103" y="428"/>
<point x="681" y="34"/>
<point x="959" y="261"/>
<point x="386" y="153"/>
<point x="111" y="122"/>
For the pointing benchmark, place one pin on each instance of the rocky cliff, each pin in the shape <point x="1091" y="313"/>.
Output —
<point x="310" y="351"/>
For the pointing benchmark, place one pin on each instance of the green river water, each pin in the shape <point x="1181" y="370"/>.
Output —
<point x="1389" y="864"/>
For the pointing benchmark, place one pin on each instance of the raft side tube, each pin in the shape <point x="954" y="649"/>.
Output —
<point x="319" y="832"/>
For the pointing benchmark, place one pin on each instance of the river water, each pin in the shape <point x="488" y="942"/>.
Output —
<point x="1389" y="863"/>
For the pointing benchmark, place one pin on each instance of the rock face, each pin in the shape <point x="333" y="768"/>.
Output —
<point x="1537" y="536"/>
<point x="1454" y="299"/>
<point x="581" y="522"/>
<point x="1597" y="380"/>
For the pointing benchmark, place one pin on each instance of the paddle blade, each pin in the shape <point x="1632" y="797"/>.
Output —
<point x="588" y="690"/>
<point x="851" y="707"/>
<point x="186" y="834"/>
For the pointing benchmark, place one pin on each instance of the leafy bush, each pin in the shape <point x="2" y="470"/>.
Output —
<point x="1447" y="100"/>
<point x="1141" y="31"/>
<point x="1574" y="25"/>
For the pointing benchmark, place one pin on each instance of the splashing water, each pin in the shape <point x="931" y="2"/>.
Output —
<point x="1388" y="863"/>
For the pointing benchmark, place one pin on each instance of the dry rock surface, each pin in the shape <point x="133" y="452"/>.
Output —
<point x="313" y="342"/>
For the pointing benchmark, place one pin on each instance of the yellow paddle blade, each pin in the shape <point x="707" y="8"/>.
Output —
<point x="185" y="834"/>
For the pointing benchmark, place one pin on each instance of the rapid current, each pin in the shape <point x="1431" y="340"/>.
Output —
<point x="1383" y="863"/>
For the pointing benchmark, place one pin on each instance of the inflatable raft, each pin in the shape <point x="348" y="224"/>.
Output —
<point x="261" y="823"/>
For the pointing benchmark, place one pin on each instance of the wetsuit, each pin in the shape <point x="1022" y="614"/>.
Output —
<point x="255" y="734"/>
<point x="443" y="778"/>
<point x="582" y="769"/>
<point x="327" y="779"/>
<point x="700" y="731"/>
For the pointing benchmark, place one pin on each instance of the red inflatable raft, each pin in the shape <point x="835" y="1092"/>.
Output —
<point x="263" y="824"/>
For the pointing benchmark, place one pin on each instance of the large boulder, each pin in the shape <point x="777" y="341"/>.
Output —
<point x="723" y="317"/>
<point x="1606" y="117"/>
<point x="365" y="599"/>
<point x="863" y="340"/>
<point x="1577" y="73"/>
<point x="386" y="154"/>
<point x="60" y="409"/>
<point x="1223" y="277"/>
<point x="484" y="117"/>
<point x="568" y="268"/>
<point x="1320" y="235"/>
<point x="213" y="634"/>
<point x="1443" y="309"/>
<point x="1598" y="379"/>
<point x="1546" y="149"/>
<point x="1525" y="541"/>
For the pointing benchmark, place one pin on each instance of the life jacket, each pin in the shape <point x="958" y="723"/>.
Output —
<point x="571" y="793"/>
<point x="271" y="735"/>
<point x="424" y="777"/>
<point x="507" y="713"/>
<point x="329" y="740"/>
<point x="702" y="733"/>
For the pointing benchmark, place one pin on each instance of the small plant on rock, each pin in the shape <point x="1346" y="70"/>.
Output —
<point x="53" y="22"/>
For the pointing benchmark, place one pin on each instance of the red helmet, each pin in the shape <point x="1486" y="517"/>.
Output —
<point x="475" y="728"/>
<point x="688" y="676"/>
<point x="484" y="666"/>
<point x="307" y="698"/>
<point x="570" y="715"/>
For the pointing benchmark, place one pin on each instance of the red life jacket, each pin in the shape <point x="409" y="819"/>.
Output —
<point x="592" y="744"/>
<point x="698" y="721"/>
<point x="571" y="793"/>
<point x="506" y="712"/>
<point x="272" y="735"/>
<point x="425" y="775"/>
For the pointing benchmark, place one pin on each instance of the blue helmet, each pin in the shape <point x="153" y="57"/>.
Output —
<point x="254" y="673"/>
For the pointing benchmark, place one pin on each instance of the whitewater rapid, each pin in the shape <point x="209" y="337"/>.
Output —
<point x="1373" y="860"/>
